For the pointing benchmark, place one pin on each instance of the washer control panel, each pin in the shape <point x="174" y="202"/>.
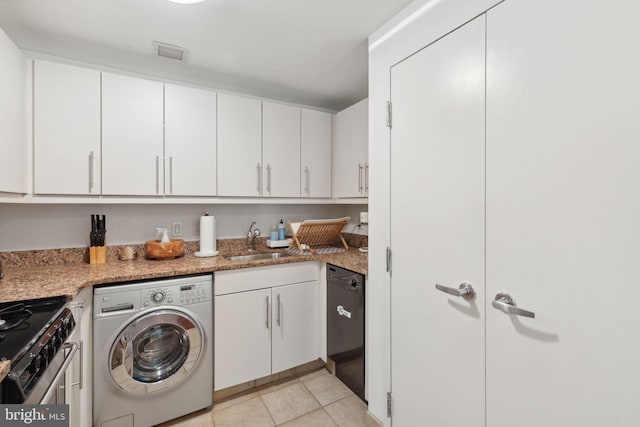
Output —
<point x="115" y="300"/>
<point x="184" y="294"/>
<point x="192" y="293"/>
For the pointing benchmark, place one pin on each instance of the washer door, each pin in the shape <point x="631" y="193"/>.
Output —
<point x="155" y="351"/>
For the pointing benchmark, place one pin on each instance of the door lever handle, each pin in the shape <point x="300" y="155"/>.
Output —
<point x="465" y="290"/>
<point x="504" y="302"/>
<point x="343" y="312"/>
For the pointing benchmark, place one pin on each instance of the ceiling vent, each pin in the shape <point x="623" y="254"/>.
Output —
<point x="174" y="53"/>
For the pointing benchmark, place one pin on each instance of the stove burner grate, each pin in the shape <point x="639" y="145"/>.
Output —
<point x="13" y="316"/>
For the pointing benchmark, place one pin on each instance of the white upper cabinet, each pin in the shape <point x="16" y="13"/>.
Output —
<point x="190" y="141"/>
<point x="351" y="164"/>
<point x="66" y="129"/>
<point x="239" y="146"/>
<point x="13" y="146"/>
<point x="132" y="136"/>
<point x="280" y="150"/>
<point x="315" y="154"/>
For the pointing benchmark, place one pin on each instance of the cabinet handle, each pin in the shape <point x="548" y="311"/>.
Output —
<point x="170" y="174"/>
<point x="259" y="177"/>
<point x="360" y="177"/>
<point x="266" y="320"/>
<point x="269" y="178"/>
<point x="81" y="370"/>
<point x="278" y="318"/>
<point x="505" y="303"/>
<point x="91" y="182"/>
<point x="366" y="177"/>
<point x="157" y="174"/>
<point x="307" y="180"/>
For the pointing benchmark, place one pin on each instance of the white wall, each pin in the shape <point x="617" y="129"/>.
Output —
<point x="24" y="226"/>
<point x="418" y="25"/>
<point x="13" y="128"/>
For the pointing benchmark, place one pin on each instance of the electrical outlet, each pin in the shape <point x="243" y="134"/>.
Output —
<point x="196" y="227"/>
<point x="364" y="217"/>
<point x="176" y="228"/>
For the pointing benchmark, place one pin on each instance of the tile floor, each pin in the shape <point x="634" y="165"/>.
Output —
<point x="317" y="399"/>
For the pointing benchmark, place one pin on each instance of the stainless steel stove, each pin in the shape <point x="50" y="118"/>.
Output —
<point x="33" y="336"/>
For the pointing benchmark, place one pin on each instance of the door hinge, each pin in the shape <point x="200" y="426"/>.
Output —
<point x="389" y="405"/>
<point x="389" y="116"/>
<point x="388" y="259"/>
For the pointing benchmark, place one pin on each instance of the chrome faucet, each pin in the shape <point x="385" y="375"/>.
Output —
<point x="251" y="236"/>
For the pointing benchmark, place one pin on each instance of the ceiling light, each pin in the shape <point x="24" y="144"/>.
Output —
<point x="187" y="1"/>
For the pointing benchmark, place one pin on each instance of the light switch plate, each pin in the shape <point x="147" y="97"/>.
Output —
<point x="176" y="228"/>
<point x="364" y="217"/>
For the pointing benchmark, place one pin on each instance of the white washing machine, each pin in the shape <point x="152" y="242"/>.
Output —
<point x="152" y="351"/>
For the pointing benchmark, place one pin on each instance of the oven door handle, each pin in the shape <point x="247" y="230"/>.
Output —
<point x="67" y="361"/>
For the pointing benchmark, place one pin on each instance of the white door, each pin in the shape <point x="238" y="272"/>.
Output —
<point x="563" y="213"/>
<point x="190" y="141"/>
<point x="280" y="150"/>
<point x="295" y="325"/>
<point x="132" y="136"/>
<point x="66" y="129"/>
<point x="350" y="150"/>
<point x="242" y="350"/>
<point x="315" y="154"/>
<point x="239" y="146"/>
<point x="437" y="232"/>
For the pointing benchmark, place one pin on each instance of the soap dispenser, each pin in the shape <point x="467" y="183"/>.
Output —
<point x="281" y="230"/>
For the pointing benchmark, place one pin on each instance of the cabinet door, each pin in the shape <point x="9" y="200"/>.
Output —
<point x="295" y="325"/>
<point x="239" y="146"/>
<point x="242" y="337"/>
<point x="315" y="154"/>
<point x="190" y="141"/>
<point x="13" y="117"/>
<point x="280" y="150"/>
<point x="350" y="151"/>
<point x="78" y="384"/>
<point x="438" y="339"/>
<point x="66" y="129"/>
<point x="562" y="213"/>
<point x="132" y="136"/>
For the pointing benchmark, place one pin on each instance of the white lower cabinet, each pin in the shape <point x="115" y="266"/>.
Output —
<point x="78" y="383"/>
<point x="242" y="337"/>
<point x="295" y="325"/>
<point x="266" y="321"/>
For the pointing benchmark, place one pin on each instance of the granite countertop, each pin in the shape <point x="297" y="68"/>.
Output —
<point x="40" y="281"/>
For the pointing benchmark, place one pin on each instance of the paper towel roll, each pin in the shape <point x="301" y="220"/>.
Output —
<point x="207" y="236"/>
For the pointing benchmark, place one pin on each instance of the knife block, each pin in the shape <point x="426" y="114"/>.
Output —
<point x="97" y="254"/>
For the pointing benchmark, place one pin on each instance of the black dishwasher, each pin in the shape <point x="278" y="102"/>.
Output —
<point x="345" y="326"/>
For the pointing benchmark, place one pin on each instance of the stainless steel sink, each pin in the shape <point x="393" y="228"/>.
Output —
<point x="252" y="257"/>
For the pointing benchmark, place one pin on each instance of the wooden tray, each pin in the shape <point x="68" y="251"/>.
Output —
<point x="318" y="233"/>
